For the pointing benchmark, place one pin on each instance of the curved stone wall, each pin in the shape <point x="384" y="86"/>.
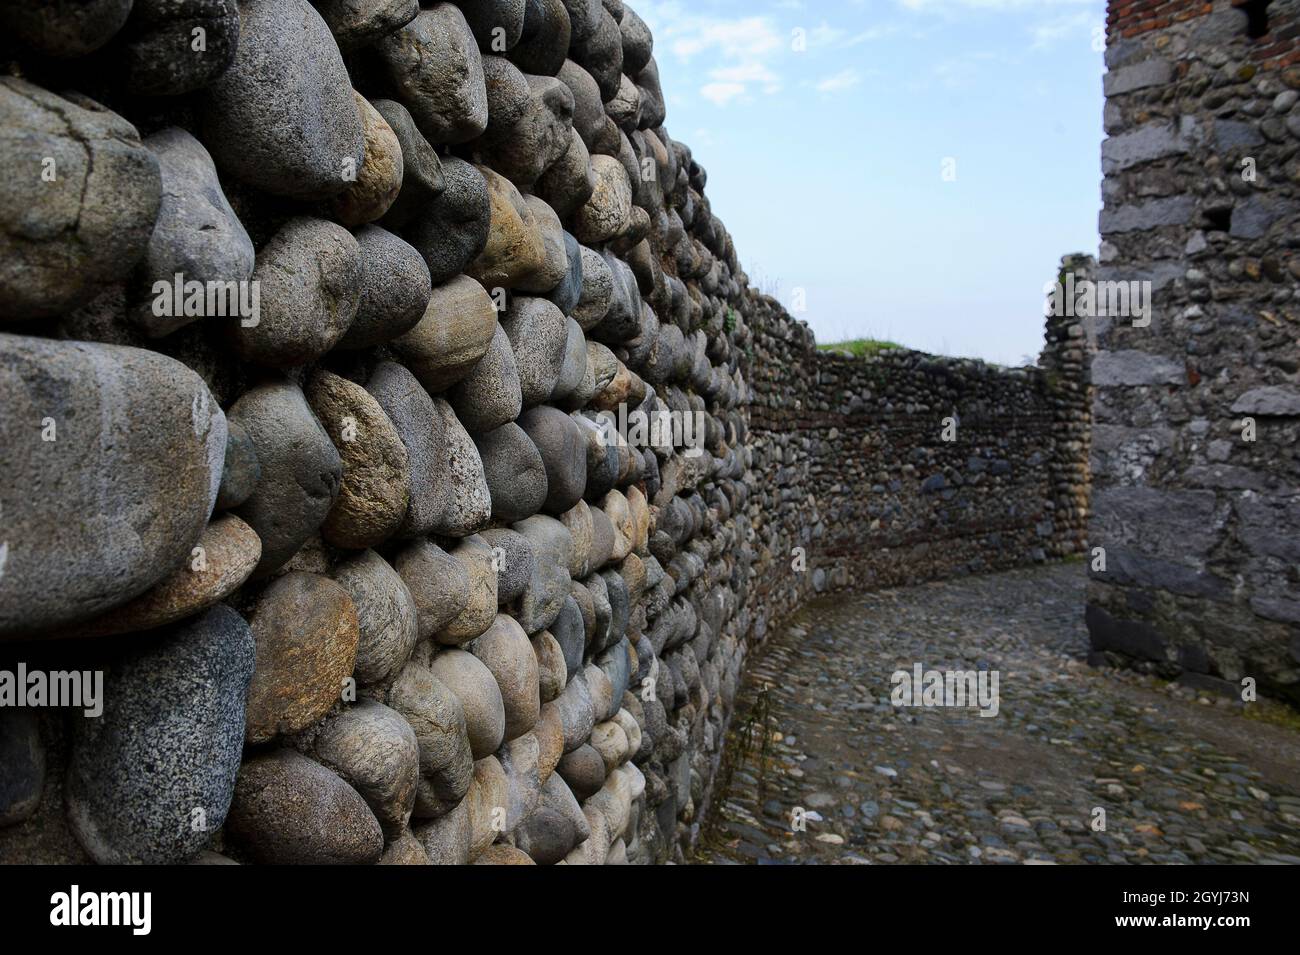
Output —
<point x="378" y="480"/>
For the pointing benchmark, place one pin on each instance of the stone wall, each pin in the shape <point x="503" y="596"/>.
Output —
<point x="368" y="578"/>
<point x="1197" y="479"/>
<point x="903" y="466"/>
<point x="326" y="332"/>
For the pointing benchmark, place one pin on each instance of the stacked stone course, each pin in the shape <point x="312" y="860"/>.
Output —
<point x="860" y="489"/>
<point x="367" y="573"/>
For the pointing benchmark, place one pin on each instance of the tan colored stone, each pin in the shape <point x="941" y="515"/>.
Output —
<point x="453" y="335"/>
<point x="379" y="179"/>
<point x="515" y="251"/>
<point x="405" y="850"/>
<point x="375" y="489"/>
<point x="230" y="551"/>
<point x="606" y="214"/>
<point x="506" y="651"/>
<point x="616" y="508"/>
<point x="305" y="626"/>
<point x="640" y="508"/>
<point x="503" y="855"/>
<point x="486" y="802"/>
<point x="476" y="556"/>
<point x="578" y="520"/>
<point x="552" y="674"/>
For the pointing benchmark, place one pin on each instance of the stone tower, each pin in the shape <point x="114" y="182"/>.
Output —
<point x="1195" y="462"/>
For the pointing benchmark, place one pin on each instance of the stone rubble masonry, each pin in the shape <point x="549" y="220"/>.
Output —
<point x="862" y="489"/>
<point x="1200" y="526"/>
<point x="371" y="549"/>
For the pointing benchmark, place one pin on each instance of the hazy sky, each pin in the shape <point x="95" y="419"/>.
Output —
<point x="827" y="163"/>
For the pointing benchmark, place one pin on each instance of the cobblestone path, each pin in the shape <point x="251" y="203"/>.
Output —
<point x="1181" y="777"/>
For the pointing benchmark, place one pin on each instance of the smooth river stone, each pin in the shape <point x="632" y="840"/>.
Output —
<point x="564" y="453"/>
<point x="452" y="334"/>
<point x="387" y="627"/>
<point x="65" y="29"/>
<point x="539" y="334"/>
<point x="151" y="778"/>
<point x="437" y="718"/>
<point x="451" y="229"/>
<point x="515" y="474"/>
<point x="197" y="234"/>
<point x="301" y="470"/>
<point x="515" y="250"/>
<point x="449" y="493"/>
<point x="309" y="275"/>
<point x="241" y="471"/>
<point x="375" y="489"/>
<point x="306" y="630"/>
<point x="156" y="52"/>
<point x="433" y="63"/>
<point x="357" y="23"/>
<point x="505" y="650"/>
<point x="291" y="810"/>
<point x="480" y="697"/>
<point x="282" y="117"/>
<point x="62" y="241"/>
<point x="141" y="496"/>
<point x="375" y="751"/>
<point x="514" y="562"/>
<point x="378" y="180"/>
<point x="230" y="552"/>
<point x="439" y="584"/>
<point x="422" y="175"/>
<point x="395" y="289"/>
<point x="605" y="215"/>
<point x="490" y="395"/>
<point x="477" y="558"/>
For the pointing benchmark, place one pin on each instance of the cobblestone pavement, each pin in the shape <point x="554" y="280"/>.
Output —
<point x="1181" y="777"/>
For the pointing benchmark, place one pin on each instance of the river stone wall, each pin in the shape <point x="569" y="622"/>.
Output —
<point x="323" y="328"/>
<point x="1197" y="477"/>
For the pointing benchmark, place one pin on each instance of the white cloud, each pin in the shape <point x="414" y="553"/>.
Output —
<point x="720" y="94"/>
<point x="741" y="51"/>
<point x="843" y="80"/>
<point x="1078" y="25"/>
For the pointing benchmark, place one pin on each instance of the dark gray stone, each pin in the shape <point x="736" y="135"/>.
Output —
<point x="301" y="470"/>
<point x="564" y="453"/>
<point x="157" y="54"/>
<point x="22" y="754"/>
<point x="65" y="29"/>
<point x="434" y="67"/>
<point x="151" y="780"/>
<point x="197" y="234"/>
<point x="357" y="23"/>
<point x="451" y="229"/>
<point x="395" y="289"/>
<point x="282" y="117"/>
<point x="490" y="395"/>
<point x="422" y="176"/>
<point x="515" y="474"/>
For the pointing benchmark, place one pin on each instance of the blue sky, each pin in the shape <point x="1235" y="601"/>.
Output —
<point x="827" y="163"/>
